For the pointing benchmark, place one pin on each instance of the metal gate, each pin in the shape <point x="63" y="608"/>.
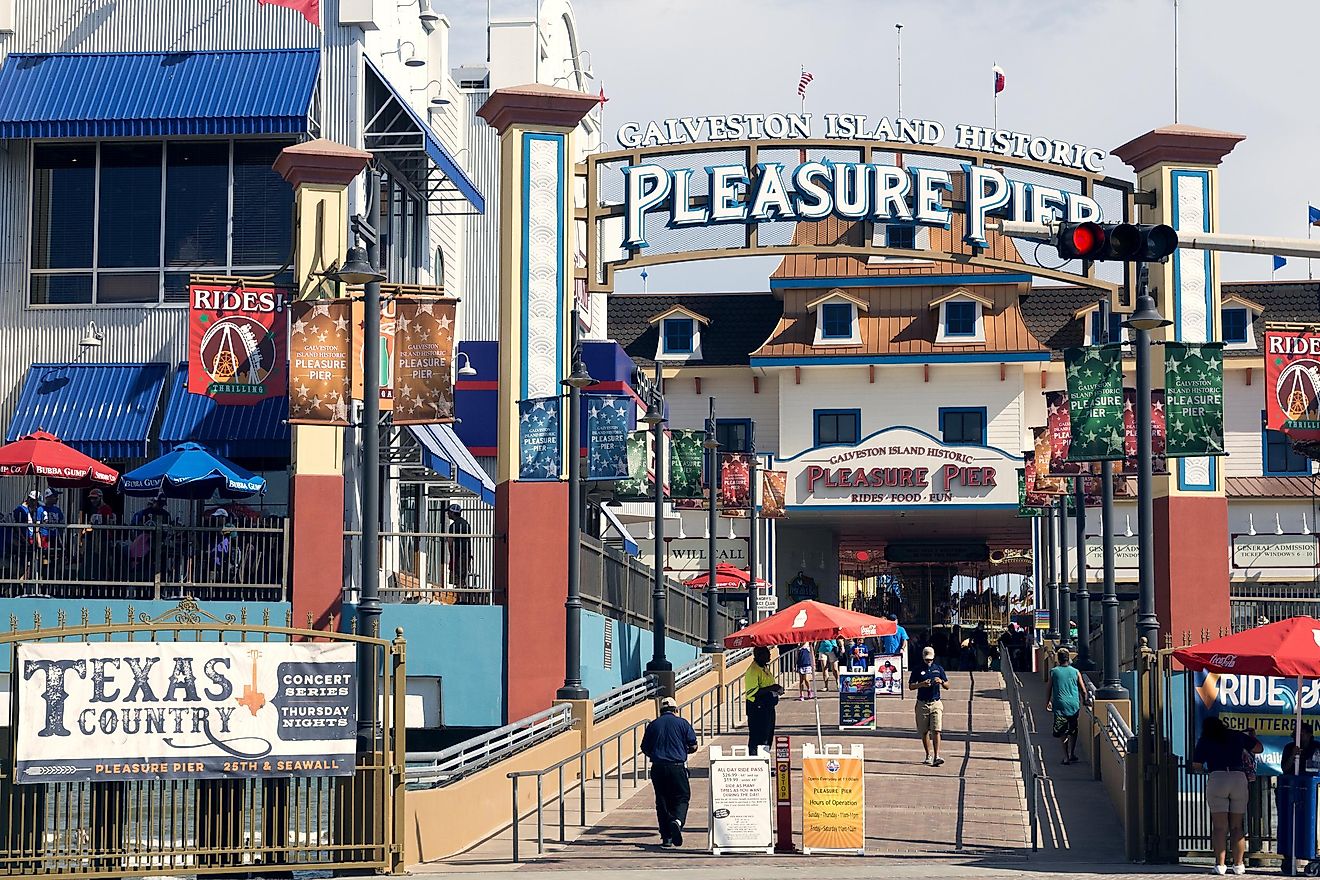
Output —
<point x="212" y="826"/>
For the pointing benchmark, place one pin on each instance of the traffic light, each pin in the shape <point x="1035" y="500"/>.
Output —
<point x="1128" y="242"/>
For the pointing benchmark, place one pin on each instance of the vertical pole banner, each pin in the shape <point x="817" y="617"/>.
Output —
<point x="1059" y="426"/>
<point x="541" y="455"/>
<point x="320" y="342"/>
<point x="1194" y="399"/>
<point x="833" y="803"/>
<point x="1046" y="483"/>
<point x="236" y="350"/>
<point x="607" y="437"/>
<point x="735" y="484"/>
<point x="1095" y="402"/>
<point x="1027" y="499"/>
<point x="639" y="485"/>
<point x="1292" y="383"/>
<point x="774" y="486"/>
<point x="1158" y="444"/>
<point x="423" y="359"/>
<point x="686" y="455"/>
<point x="740" y="802"/>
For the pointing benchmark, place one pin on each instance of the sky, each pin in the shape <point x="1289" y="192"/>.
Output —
<point x="1098" y="74"/>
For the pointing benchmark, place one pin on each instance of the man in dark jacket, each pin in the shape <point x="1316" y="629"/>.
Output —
<point x="668" y="741"/>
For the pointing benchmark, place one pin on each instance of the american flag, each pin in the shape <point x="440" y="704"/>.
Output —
<point x="803" y="82"/>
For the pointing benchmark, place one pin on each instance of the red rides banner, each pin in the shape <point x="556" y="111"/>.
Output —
<point x="237" y="353"/>
<point x="1292" y="383"/>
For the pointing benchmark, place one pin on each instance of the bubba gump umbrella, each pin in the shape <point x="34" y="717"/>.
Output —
<point x="41" y="454"/>
<point x="193" y="471"/>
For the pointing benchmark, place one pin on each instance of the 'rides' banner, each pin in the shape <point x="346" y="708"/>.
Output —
<point x="1266" y="705"/>
<point x="607" y="436"/>
<point x="640" y="483"/>
<point x="423" y="354"/>
<point x="1194" y="399"/>
<point x="1292" y="383"/>
<point x="540" y="441"/>
<point x="104" y="711"/>
<point x="686" y="455"/>
<point x="320" y="381"/>
<point x="1095" y="402"/>
<point x="236" y="349"/>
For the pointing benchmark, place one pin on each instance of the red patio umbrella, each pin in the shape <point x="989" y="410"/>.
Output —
<point x="42" y="454"/>
<point x="727" y="577"/>
<point x="810" y="622"/>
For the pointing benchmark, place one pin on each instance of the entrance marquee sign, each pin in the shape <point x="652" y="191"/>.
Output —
<point x="103" y="711"/>
<point x="901" y="467"/>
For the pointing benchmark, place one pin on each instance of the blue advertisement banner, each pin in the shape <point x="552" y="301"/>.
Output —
<point x="607" y="437"/>
<point x="1263" y="704"/>
<point x="540" y="440"/>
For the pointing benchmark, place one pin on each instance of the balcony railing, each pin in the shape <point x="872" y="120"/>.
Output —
<point x="247" y="563"/>
<point x="430" y="568"/>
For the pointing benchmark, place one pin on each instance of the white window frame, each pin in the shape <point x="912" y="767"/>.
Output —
<point x="663" y="354"/>
<point x="1250" y="343"/>
<point x="943" y="338"/>
<point x="836" y="298"/>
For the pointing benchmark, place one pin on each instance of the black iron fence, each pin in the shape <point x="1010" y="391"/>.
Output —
<point x="430" y="568"/>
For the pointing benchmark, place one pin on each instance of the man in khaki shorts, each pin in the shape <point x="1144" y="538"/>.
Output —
<point x="928" y="680"/>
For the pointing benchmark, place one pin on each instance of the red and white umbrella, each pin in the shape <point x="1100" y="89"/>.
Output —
<point x="810" y="622"/>
<point x="41" y="454"/>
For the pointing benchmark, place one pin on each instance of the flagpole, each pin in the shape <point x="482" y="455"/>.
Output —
<point x="898" y="27"/>
<point x="995" y="80"/>
<point x="1175" y="61"/>
<point x="1308" y="238"/>
<point x="802" y="92"/>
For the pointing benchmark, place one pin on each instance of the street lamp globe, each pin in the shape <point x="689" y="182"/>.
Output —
<point x="579" y="378"/>
<point x="1146" y="317"/>
<point x="357" y="269"/>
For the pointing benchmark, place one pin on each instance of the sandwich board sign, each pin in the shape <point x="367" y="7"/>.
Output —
<point x="833" y="804"/>
<point x="740" y="801"/>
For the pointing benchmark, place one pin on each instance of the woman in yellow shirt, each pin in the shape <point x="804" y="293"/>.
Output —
<point x="762" y="692"/>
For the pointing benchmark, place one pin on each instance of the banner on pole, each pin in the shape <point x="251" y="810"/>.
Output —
<point x="1095" y="402"/>
<point x="639" y="485"/>
<point x="1159" y="462"/>
<point x="423" y="361"/>
<point x="1194" y="399"/>
<point x="735" y="484"/>
<point x="833" y="800"/>
<point x="105" y="711"/>
<point x="1030" y="504"/>
<point x="1046" y="483"/>
<point x="1292" y="382"/>
<point x="686" y="455"/>
<point x="1059" y="424"/>
<point x="385" y="393"/>
<point x="237" y="353"/>
<point x="320" y="343"/>
<point x="774" y="486"/>
<point x="540" y="440"/>
<point x="607" y="436"/>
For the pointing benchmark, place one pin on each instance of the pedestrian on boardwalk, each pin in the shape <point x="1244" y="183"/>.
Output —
<point x="1220" y="751"/>
<point x="827" y="652"/>
<point x="806" y="667"/>
<point x="859" y="656"/>
<point x="762" y="693"/>
<point x="668" y="741"/>
<point x="1295" y="762"/>
<point x="1064" y="693"/>
<point x="897" y="642"/>
<point x="928" y="681"/>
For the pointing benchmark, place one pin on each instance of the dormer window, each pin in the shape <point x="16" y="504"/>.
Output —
<point x="1236" y="322"/>
<point x="1117" y="332"/>
<point x="679" y="332"/>
<point x="836" y="318"/>
<point x="961" y="318"/>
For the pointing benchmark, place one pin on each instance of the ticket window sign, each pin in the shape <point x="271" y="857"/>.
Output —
<point x="740" y="820"/>
<point x="833" y="802"/>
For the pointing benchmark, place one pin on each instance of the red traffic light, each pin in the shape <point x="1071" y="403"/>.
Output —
<point x="1082" y="241"/>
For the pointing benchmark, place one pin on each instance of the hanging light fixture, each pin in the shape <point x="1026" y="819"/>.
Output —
<point x="1147" y="316"/>
<point x="93" y="338"/>
<point x="465" y="368"/>
<point x="357" y="269"/>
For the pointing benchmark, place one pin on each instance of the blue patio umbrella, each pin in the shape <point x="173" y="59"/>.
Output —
<point x="192" y="471"/>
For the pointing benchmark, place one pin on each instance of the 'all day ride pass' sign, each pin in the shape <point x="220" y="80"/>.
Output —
<point x="173" y="710"/>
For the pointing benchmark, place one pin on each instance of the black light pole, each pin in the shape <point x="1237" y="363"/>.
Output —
<point x="1145" y="319"/>
<point x="577" y="379"/>
<point x="712" y="645"/>
<point x="1049" y="585"/>
<point x="1084" y="662"/>
<point x="655" y="419"/>
<point x="753" y="477"/>
<point x="1111" y="685"/>
<point x="1065" y="612"/>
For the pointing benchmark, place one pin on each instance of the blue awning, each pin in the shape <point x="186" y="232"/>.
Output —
<point x="152" y="94"/>
<point x="445" y="454"/>
<point x="257" y="431"/>
<point x="396" y="130"/>
<point x="102" y="410"/>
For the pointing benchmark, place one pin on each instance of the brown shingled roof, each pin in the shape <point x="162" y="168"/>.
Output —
<point x="1269" y="487"/>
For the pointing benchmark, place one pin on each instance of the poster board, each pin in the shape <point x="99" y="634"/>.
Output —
<point x="833" y="802"/>
<point x="889" y="676"/>
<point x="740" y="801"/>
<point x="857" y="701"/>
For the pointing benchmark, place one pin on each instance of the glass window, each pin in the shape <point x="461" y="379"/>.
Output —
<point x="129" y="213"/>
<point x="678" y="335"/>
<point x="402" y="216"/>
<point x="837" y="426"/>
<point x="1235" y="325"/>
<point x="63" y="206"/>
<point x="898" y="236"/>
<point x="62" y="289"/>
<point x="1115" y="328"/>
<point x="115" y="288"/>
<point x="959" y="318"/>
<point x="965" y="426"/>
<point x="734" y="435"/>
<point x="1280" y="457"/>
<point x="263" y="206"/>
<point x="197" y="203"/>
<point x="836" y="320"/>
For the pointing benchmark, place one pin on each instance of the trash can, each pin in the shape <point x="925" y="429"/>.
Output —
<point x="1297" y="834"/>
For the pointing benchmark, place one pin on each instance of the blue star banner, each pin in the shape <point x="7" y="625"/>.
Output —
<point x="541" y="453"/>
<point x="607" y="436"/>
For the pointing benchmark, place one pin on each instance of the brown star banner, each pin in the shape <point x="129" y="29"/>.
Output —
<point x="1045" y="484"/>
<point x="1059" y="425"/>
<point x="774" y="486"/>
<point x="320" y="342"/>
<point x="423" y="355"/>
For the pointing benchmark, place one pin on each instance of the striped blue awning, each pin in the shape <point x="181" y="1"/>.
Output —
<point x="260" y="430"/>
<point x="445" y="454"/>
<point x="152" y="94"/>
<point x="102" y="410"/>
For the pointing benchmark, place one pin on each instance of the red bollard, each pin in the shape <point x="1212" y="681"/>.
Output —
<point x="784" y="796"/>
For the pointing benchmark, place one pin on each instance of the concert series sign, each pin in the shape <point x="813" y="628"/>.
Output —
<point x="103" y="711"/>
<point x="236" y="349"/>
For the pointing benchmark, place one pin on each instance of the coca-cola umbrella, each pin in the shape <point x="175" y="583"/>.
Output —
<point x="41" y="454"/>
<point x="727" y="577"/>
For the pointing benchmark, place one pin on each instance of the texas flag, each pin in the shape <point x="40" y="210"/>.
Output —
<point x="310" y="9"/>
<point x="999" y="78"/>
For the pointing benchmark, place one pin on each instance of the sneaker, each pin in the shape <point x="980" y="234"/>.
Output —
<point x="677" y="834"/>
<point x="938" y="762"/>
<point x="926" y="760"/>
<point x="664" y="844"/>
<point x="1239" y="869"/>
<point x="1219" y="869"/>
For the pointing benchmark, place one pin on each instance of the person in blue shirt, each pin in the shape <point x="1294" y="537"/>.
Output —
<point x="668" y="741"/>
<point x="928" y="680"/>
<point x="859" y="656"/>
<point x="828" y="657"/>
<point x="806" y="667"/>
<point x="897" y="643"/>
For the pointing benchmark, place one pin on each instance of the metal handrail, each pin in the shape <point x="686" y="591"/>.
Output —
<point x="624" y="696"/>
<point x="447" y="765"/>
<point x="1030" y="768"/>
<point x="694" y="670"/>
<point x="1122" y="741"/>
<point x="733" y="658"/>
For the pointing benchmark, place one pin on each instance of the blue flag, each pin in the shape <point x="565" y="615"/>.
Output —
<point x="540" y="455"/>
<point x="1313" y="215"/>
<point x="607" y="436"/>
<point x="1279" y="263"/>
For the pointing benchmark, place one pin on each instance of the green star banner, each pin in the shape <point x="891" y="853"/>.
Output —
<point x="1194" y="398"/>
<point x="1024" y="508"/>
<point x="640" y="483"/>
<point x="1095" y="402"/>
<point x="686" y="455"/>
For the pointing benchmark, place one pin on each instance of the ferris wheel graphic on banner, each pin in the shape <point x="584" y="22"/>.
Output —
<point x="237" y="349"/>
<point x="1298" y="390"/>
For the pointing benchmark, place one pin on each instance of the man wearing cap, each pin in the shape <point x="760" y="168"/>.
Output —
<point x="95" y="542"/>
<point x="52" y="513"/>
<point x="460" y="550"/>
<point x="928" y="680"/>
<point x="30" y="540"/>
<point x="668" y="741"/>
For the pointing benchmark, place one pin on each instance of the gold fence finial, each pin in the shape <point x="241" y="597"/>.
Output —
<point x="60" y="618"/>
<point x="86" y="617"/>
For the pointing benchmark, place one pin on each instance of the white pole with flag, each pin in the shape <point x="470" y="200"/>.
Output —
<point x="999" y="87"/>
<point x="898" y="28"/>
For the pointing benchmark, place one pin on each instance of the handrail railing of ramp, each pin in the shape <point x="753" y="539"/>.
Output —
<point x="625" y="696"/>
<point x="1031" y="773"/>
<point x="1122" y="741"/>
<point x="448" y="765"/>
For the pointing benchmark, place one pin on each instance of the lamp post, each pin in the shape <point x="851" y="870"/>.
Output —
<point x="655" y="419"/>
<point x="1111" y="685"/>
<point x="753" y="477"/>
<point x="1084" y="662"/>
<point x="712" y="645"/>
<point x="1145" y="319"/>
<point x="578" y="378"/>
<point x="1065" y="612"/>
